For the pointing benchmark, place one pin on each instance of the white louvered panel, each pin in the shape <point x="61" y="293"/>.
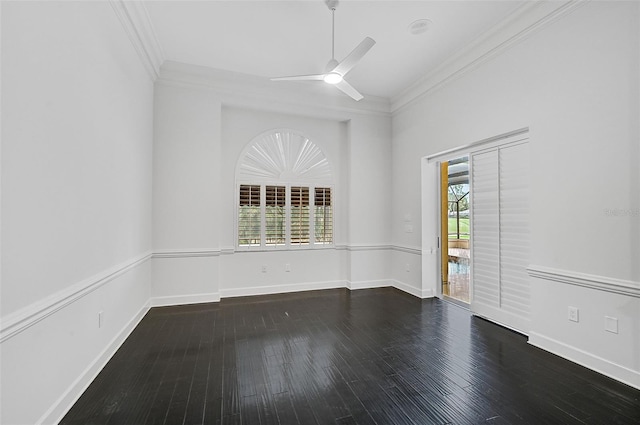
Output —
<point x="275" y="216"/>
<point x="284" y="153"/>
<point x="514" y="229"/>
<point x="485" y="221"/>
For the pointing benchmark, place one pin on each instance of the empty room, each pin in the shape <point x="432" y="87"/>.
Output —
<point x="320" y="212"/>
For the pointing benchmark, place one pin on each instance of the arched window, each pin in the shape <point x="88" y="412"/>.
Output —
<point x="285" y="193"/>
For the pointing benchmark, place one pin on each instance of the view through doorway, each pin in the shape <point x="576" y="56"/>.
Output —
<point x="455" y="230"/>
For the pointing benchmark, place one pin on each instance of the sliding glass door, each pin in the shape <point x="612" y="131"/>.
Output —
<point x="455" y="230"/>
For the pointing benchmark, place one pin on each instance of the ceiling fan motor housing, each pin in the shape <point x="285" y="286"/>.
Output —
<point x="332" y="4"/>
<point x="331" y="65"/>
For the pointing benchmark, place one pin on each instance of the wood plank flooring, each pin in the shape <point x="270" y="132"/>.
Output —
<point x="375" y="356"/>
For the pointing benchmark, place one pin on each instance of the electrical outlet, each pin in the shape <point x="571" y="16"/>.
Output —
<point x="287" y="267"/>
<point x="407" y="267"/>
<point x="611" y="324"/>
<point x="573" y="314"/>
<point x="264" y="269"/>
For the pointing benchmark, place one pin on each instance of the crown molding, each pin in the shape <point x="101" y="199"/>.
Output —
<point x="252" y="91"/>
<point x="137" y="25"/>
<point x="521" y="24"/>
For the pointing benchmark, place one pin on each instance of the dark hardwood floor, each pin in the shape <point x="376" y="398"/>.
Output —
<point x="374" y="356"/>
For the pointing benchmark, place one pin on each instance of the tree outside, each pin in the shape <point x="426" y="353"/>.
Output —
<point x="458" y="198"/>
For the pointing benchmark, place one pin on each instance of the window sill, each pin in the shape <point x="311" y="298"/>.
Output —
<point x="285" y="248"/>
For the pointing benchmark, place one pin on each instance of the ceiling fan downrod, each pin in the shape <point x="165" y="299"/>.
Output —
<point x="332" y="5"/>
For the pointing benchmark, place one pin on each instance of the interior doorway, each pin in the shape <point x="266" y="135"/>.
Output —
<point x="455" y="205"/>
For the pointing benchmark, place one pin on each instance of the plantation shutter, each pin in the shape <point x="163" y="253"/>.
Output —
<point x="500" y="235"/>
<point x="299" y="215"/>
<point x="323" y="215"/>
<point x="485" y="242"/>
<point x="249" y="215"/>
<point x="514" y="231"/>
<point x="275" y="224"/>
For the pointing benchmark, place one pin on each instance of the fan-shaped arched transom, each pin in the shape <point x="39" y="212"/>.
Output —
<point x="284" y="155"/>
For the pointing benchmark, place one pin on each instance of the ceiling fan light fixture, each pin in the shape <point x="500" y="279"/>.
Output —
<point x="332" y="78"/>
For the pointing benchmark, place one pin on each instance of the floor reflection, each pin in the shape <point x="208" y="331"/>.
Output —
<point x="458" y="284"/>
<point x="372" y="356"/>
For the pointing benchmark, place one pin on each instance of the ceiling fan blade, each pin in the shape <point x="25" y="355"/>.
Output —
<point x="313" y="77"/>
<point x="349" y="90"/>
<point x="354" y="57"/>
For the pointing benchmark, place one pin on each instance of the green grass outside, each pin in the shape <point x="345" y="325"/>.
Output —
<point x="464" y="227"/>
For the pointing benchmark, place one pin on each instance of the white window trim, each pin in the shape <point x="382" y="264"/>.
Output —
<point x="302" y="179"/>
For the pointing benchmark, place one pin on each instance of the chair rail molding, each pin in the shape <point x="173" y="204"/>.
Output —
<point x="602" y="283"/>
<point x="407" y="249"/>
<point x="188" y="253"/>
<point x="28" y="316"/>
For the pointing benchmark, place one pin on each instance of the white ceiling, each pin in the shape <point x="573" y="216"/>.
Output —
<point x="281" y="38"/>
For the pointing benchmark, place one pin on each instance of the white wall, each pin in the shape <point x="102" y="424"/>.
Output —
<point x="80" y="179"/>
<point x="201" y="131"/>
<point x="369" y="210"/>
<point x="76" y="200"/>
<point x="186" y="195"/>
<point x="574" y="83"/>
<point x="242" y="272"/>
<point x="241" y="125"/>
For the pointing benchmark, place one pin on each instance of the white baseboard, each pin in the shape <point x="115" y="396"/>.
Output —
<point x="588" y="360"/>
<point x="213" y="297"/>
<point x="311" y="286"/>
<point x="368" y="284"/>
<point x="298" y="287"/>
<point x="281" y="289"/>
<point x="60" y="408"/>
<point x="501" y="317"/>
<point x="416" y="292"/>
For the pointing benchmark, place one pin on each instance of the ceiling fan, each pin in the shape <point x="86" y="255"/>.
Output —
<point x="335" y="71"/>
